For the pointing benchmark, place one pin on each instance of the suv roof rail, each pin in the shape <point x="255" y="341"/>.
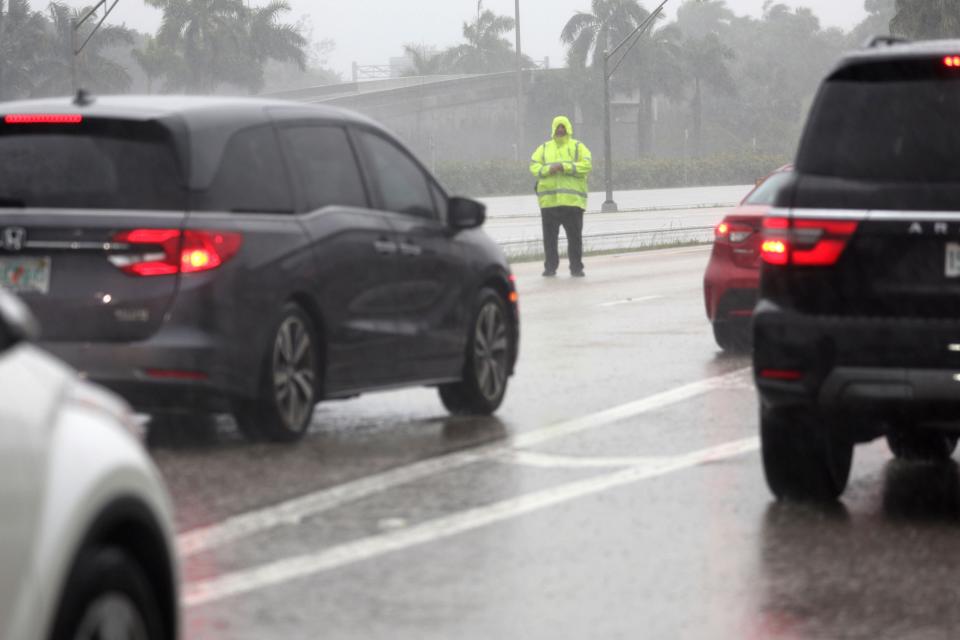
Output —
<point x="886" y="41"/>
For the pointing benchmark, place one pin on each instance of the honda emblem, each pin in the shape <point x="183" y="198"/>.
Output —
<point x="14" y="238"/>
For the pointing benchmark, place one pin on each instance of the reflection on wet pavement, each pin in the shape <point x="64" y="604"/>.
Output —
<point x="834" y="572"/>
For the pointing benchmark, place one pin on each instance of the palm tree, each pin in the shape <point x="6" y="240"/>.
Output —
<point x="423" y="60"/>
<point x="154" y="60"/>
<point x="486" y="50"/>
<point x="924" y="19"/>
<point x="697" y="18"/>
<point x="96" y="72"/>
<point x="877" y="22"/>
<point x="589" y="35"/>
<point x="271" y="39"/>
<point x="213" y="42"/>
<point x="706" y="61"/>
<point x="22" y="37"/>
<point x="207" y="35"/>
<point x="655" y="68"/>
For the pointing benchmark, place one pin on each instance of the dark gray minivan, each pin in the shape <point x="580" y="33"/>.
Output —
<point x="249" y="256"/>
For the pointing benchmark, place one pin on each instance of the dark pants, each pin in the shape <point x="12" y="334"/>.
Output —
<point x="571" y="219"/>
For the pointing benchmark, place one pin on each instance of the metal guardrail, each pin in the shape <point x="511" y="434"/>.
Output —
<point x="626" y="241"/>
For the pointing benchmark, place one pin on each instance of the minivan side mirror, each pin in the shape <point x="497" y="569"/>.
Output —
<point x="464" y="213"/>
<point x="16" y="321"/>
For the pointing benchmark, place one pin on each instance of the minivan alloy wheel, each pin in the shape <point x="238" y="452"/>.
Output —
<point x="488" y="359"/>
<point x="294" y="381"/>
<point x="491" y="350"/>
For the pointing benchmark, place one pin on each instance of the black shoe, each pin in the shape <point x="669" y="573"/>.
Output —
<point x="549" y="274"/>
<point x="577" y="274"/>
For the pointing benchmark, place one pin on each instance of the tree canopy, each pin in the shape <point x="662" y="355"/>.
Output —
<point x="200" y="46"/>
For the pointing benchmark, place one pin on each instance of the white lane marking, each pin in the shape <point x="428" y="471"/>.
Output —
<point x="630" y="301"/>
<point x="739" y="379"/>
<point x="292" y="568"/>
<point x="292" y="512"/>
<point x="551" y="461"/>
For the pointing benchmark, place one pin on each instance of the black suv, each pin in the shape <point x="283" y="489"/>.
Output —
<point x="857" y="330"/>
<point x="250" y="256"/>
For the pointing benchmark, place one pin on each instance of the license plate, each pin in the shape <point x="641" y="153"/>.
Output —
<point x="26" y="275"/>
<point x="953" y="260"/>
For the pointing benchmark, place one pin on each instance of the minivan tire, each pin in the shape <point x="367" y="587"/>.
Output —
<point x="289" y="382"/>
<point x="486" y="369"/>
<point x="803" y="458"/>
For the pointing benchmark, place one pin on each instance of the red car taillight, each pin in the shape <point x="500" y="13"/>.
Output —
<point x="170" y="251"/>
<point x="732" y="232"/>
<point x="803" y="242"/>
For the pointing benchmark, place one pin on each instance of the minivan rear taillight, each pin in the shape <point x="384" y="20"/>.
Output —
<point x="805" y="242"/>
<point x="160" y="252"/>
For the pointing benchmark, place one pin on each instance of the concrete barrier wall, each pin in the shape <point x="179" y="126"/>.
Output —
<point x="465" y="118"/>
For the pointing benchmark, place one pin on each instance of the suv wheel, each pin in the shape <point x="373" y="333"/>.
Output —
<point x="288" y="395"/>
<point x="732" y="336"/>
<point x="803" y="458"/>
<point x="108" y="596"/>
<point x="487" y="366"/>
<point x="921" y="444"/>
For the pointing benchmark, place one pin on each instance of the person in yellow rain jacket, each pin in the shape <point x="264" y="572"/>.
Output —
<point x="561" y="166"/>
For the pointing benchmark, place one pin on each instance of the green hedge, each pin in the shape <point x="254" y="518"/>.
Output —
<point x="503" y="178"/>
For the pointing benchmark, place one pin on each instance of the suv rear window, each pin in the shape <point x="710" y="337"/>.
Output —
<point x="94" y="164"/>
<point x="885" y="127"/>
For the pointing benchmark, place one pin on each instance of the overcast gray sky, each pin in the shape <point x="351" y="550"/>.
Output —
<point x="371" y="31"/>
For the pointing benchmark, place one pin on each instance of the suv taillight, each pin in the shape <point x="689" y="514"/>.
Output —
<point x="160" y="252"/>
<point x="804" y="242"/>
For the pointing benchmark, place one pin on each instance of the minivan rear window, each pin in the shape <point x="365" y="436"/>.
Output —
<point x="101" y="164"/>
<point x="885" y="129"/>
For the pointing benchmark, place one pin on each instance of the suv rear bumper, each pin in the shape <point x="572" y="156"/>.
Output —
<point x="864" y="366"/>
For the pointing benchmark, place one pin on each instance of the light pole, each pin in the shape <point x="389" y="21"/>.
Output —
<point x="609" y="206"/>
<point x="74" y="32"/>
<point x="520" y="109"/>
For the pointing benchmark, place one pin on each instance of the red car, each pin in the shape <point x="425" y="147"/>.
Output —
<point x="733" y="273"/>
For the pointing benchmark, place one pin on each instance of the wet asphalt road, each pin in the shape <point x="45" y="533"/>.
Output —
<point x="617" y="494"/>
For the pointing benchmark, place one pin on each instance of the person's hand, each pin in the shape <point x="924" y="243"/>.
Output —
<point x="556" y="168"/>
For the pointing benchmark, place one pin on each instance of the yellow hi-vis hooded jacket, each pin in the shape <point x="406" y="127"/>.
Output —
<point x="569" y="187"/>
